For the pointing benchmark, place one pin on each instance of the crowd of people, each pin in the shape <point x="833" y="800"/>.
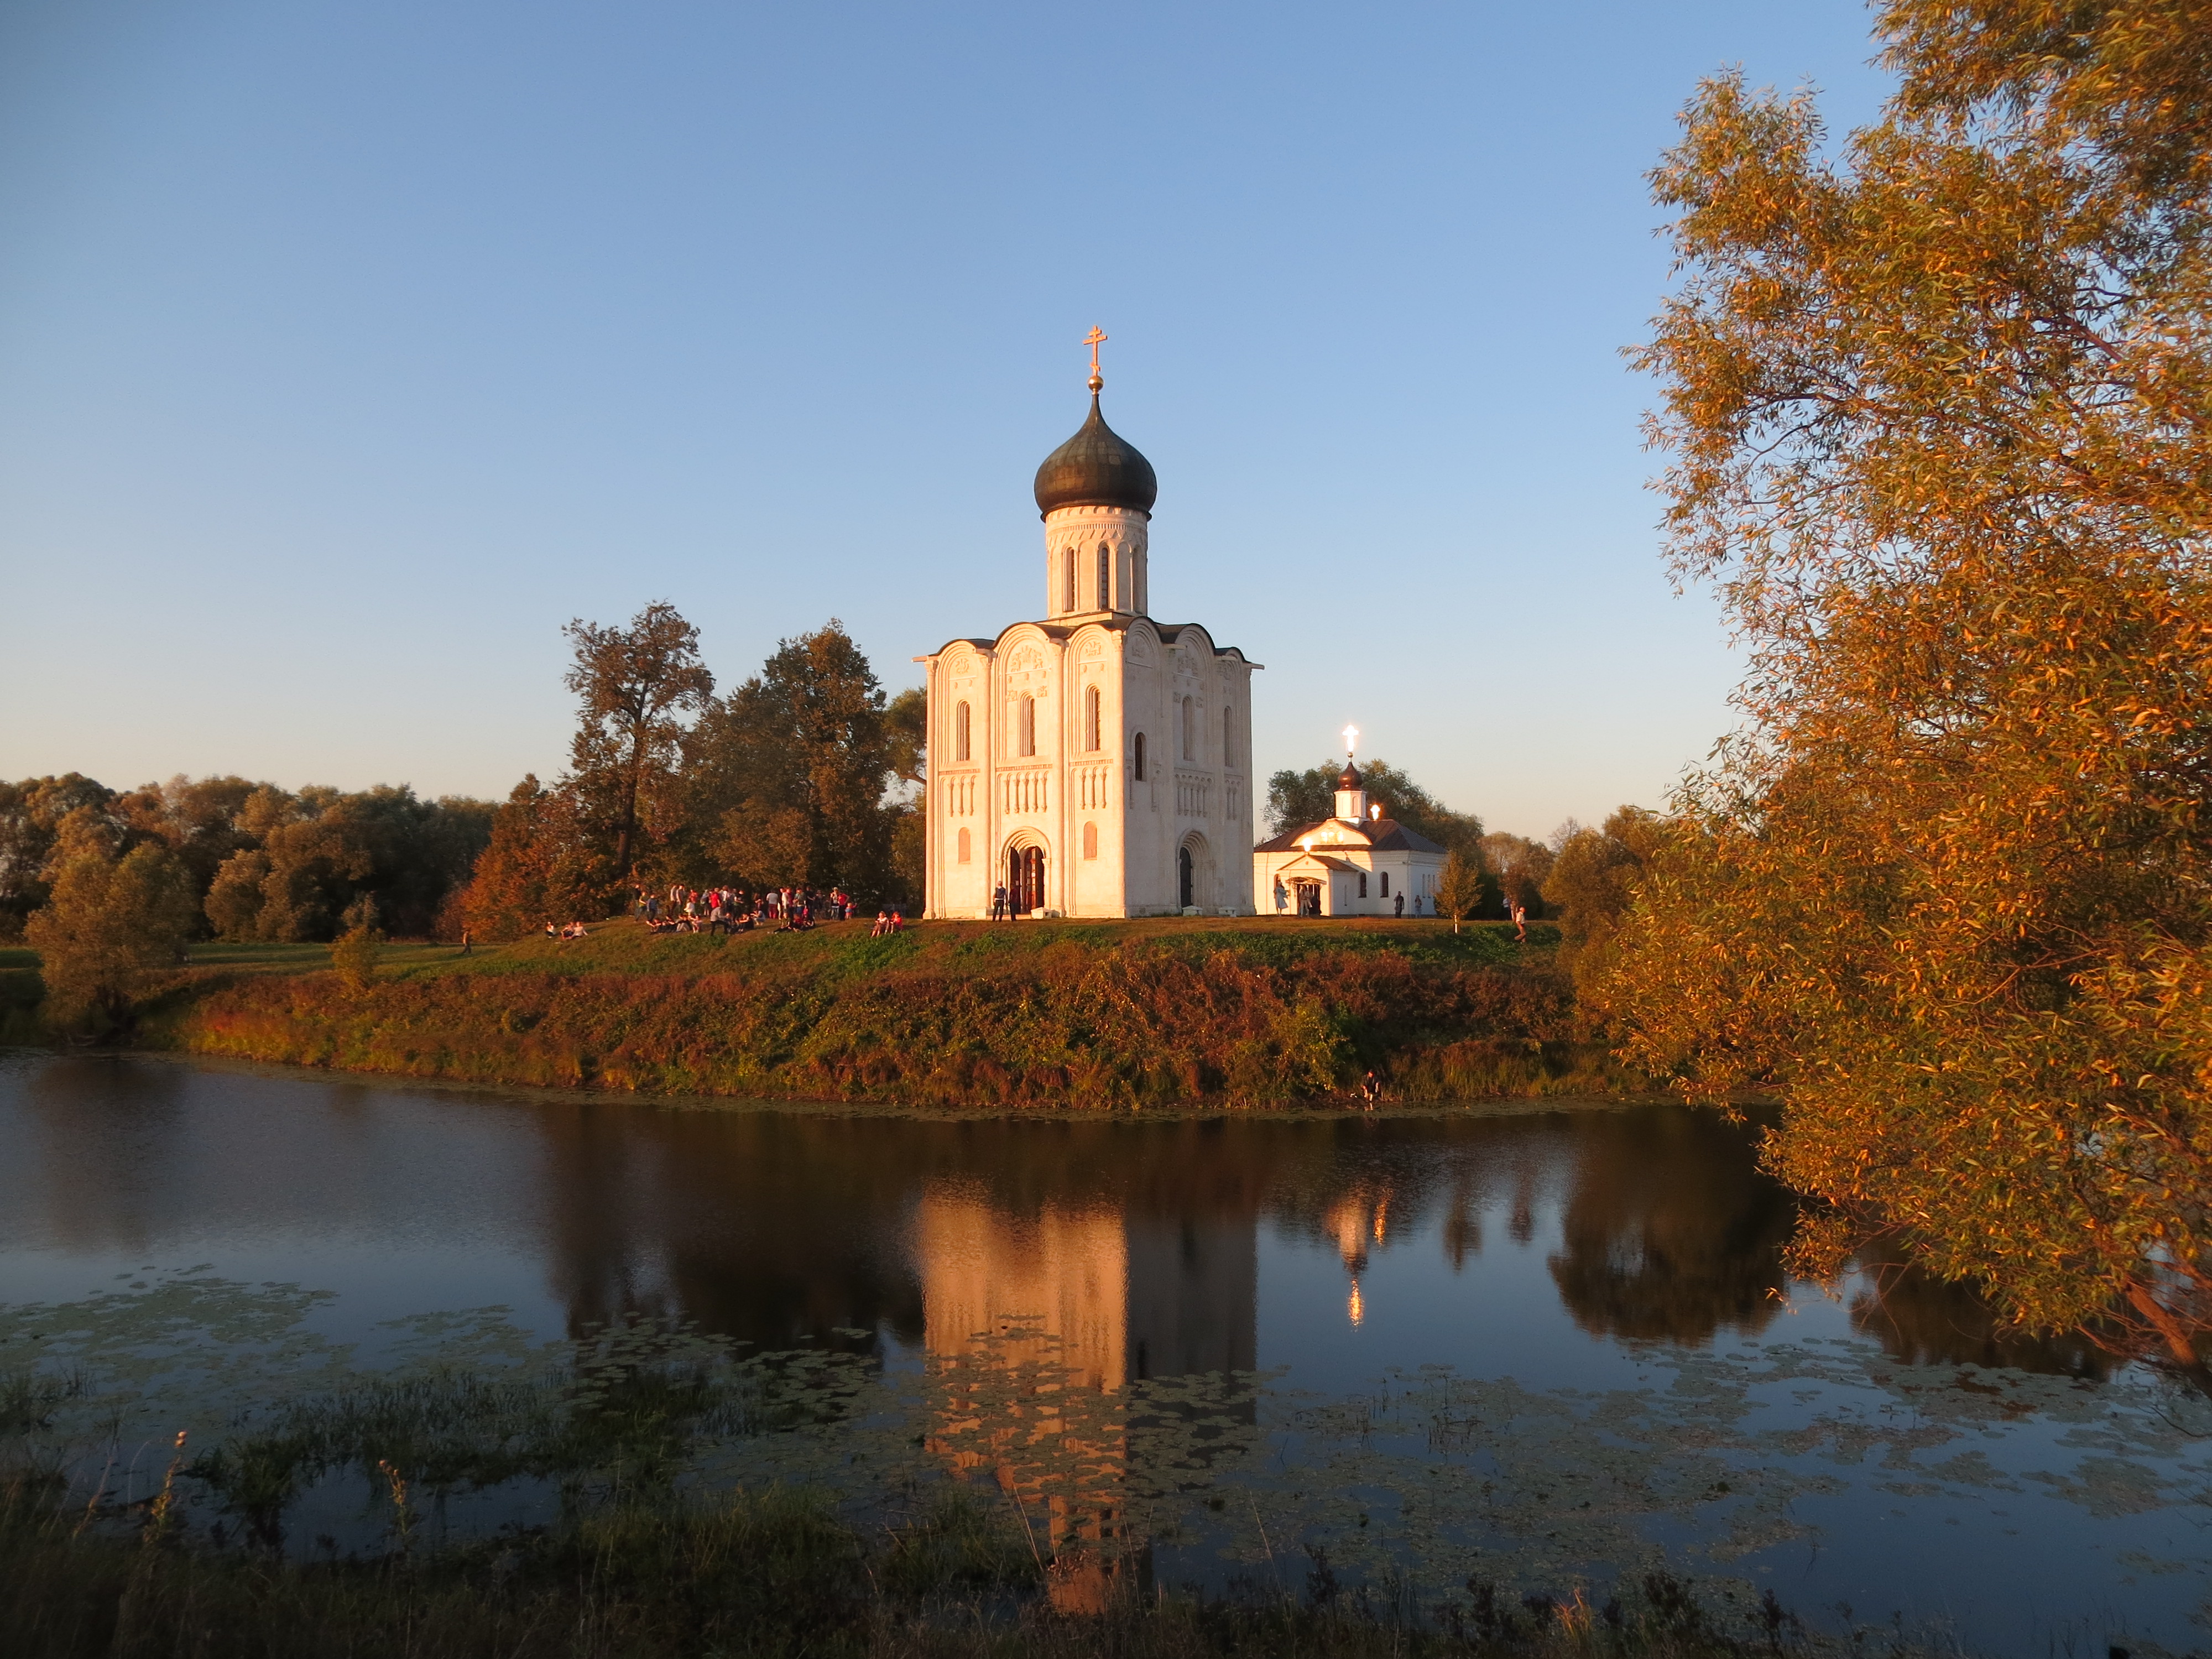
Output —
<point x="684" y="909"/>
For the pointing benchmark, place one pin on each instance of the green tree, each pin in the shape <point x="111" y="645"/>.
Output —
<point x="108" y="923"/>
<point x="633" y="684"/>
<point x="537" y="868"/>
<point x="30" y="814"/>
<point x="787" y="772"/>
<point x="1592" y="883"/>
<point x="1520" y="868"/>
<point x="1939" y="401"/>
<point x="308" y="857"/>
<point x="1459" y="894"/>
<point x="906" y="727"/>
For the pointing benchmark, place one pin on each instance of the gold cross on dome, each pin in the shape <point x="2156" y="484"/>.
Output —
<point x="1096" y="338"/>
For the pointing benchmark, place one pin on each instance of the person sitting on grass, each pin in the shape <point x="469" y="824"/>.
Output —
<point x="551" y="932"/>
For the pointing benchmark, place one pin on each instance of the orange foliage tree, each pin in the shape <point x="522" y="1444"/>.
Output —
<point x="1939" y="401"/>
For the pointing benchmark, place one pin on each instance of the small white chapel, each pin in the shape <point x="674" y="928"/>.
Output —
<point x="1358" y="863"/>
<point x="1093" y="763"/>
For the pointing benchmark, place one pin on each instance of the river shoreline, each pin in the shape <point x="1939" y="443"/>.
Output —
<point x="1175" y="1014"/>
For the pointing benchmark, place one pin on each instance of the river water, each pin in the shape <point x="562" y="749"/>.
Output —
<point x="1550" y="1346"/>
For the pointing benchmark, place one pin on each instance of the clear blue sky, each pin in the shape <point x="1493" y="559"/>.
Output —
<point x="347" y="351"/>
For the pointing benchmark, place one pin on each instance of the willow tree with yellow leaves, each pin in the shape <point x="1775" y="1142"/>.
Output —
<point x="1938" y="401"/>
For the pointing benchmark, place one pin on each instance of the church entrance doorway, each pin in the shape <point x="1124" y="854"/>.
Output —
<point x="1183" y="877"/>
<point x="1308" y="894"/>
<point x="1025" y="878"/>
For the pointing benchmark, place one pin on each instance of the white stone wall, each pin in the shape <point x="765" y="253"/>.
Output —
<point x="1413" y="874"/>
<point x="1067" y="796"/>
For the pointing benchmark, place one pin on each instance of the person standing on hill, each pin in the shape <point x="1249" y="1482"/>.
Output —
<point x="998" y="902"/>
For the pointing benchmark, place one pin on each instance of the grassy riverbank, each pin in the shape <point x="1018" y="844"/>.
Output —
<point x="1118" y="1014"/>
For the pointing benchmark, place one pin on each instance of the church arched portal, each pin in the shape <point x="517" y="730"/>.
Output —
<point x="1025" y="862"/>
<point x="1194" y="872"/>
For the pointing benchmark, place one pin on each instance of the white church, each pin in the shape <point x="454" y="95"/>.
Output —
<point x="1096" y="762"/>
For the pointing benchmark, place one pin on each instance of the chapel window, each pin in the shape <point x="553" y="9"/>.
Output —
<point x="1190" y="729"/>
<point x="1362" y="884"/>
<point x="1229" y="737"/>
<point x="1105" y="579"/>
<point x="1091" y="841"/>
<point x="1091" y="705"/>
<point x="964" y="847"/>
<point x="1386" y="884"/>
<point x="960" y="731"/>
<point x="1026" y="726"/>
<point x="1068" y="581"/>
<point x="1140" y="751"/>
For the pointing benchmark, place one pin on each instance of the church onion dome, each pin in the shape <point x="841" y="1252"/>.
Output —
<point x="1349" y="778"/>
<point x="1095" y="468"/>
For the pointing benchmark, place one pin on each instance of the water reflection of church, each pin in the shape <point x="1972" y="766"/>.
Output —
<point x="1119" y="1295"/>
<point x="1038" y="1320"/>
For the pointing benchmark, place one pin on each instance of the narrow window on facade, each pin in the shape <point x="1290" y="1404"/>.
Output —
<point x="1140" y="748"/>
<point x="1228" y="736"/>
<point x="1092" y="701"/>
<point x="1091" y="841"/>
<point x="1190" y="729"/>
<point x="1105" y="579"/>
<point x="1026" y="726"/>
<point x="1386" y="884"/>
<point x="1067" y="583"/>
<point x="964" y="847"/>
<point x="1362" y="884"/>
<point x="960" y="731"/>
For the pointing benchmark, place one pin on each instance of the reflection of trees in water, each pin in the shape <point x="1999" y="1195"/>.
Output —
<point x="1672" y="1232"/>
<point x="1926" y="1320"/>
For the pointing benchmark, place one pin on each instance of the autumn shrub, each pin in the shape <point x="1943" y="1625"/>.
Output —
<point x="954" y="1016"/>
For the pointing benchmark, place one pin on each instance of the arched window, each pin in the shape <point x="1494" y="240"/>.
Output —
<point x="1190" y="729"/>
<point x="1140" y="751"/>
<point x="1091" y="841"/>
<point x="1092" y="704"/>
<point x="1105" y="580"/>
<point x="964" y="847"/>
<point x="1067" y="583"/>
<point x="1228" y="736"/>
<point x="1025" y="727"/>
<point x="1386" y="884"/>
<point x="960" y="728"/>
<point x="1362" y="884"/>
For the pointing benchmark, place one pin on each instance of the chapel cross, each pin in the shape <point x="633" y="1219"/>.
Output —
<point x="1096" y="338"/>
<point x="1351" y="740"/>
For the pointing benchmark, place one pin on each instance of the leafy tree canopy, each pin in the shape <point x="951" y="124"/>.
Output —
<point x="1939" y="401"/>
